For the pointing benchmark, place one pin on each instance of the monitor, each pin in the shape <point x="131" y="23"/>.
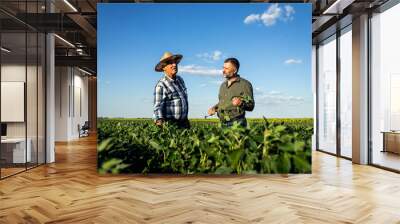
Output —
<point x="3" y="129"/>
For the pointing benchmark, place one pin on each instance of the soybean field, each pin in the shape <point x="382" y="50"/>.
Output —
<point x="265" y="146"/>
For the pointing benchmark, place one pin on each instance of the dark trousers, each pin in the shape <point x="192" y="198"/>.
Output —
<point x="242" y="121"/>
<point x="179" y="123"/>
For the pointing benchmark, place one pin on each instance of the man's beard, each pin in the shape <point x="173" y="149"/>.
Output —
<point x="228" y="76"/>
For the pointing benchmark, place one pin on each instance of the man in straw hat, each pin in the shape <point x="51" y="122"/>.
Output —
<point x="170" y="93"/>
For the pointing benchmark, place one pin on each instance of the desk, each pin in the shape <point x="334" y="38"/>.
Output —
<point x="391" y="141"/>
<point x="18" y="150"/>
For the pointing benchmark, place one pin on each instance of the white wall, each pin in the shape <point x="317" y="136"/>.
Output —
<point x="62" y="81"/>
<point x="33" y="127"/>
<point x="12" y="73"/>
<point x="80" y="109"/>
<point x="70" y="84"/>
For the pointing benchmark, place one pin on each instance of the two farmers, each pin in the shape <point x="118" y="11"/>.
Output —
<point x="171" y="100"/>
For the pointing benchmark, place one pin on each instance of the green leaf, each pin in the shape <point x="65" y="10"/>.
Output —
<point x="105" y="144"/>
<point x="284" y="163"/>
<point x="280" y="128"/>
<point x="155" y="145"/>
<point x="235" y="157"/>
<point x="223" y="170"/>
<point x="108" y="166"/>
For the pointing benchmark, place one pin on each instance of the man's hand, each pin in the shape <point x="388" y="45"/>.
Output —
<point x="211" y="111"/>
<point x="158" y="122"/>
<point x="236" y="101"/>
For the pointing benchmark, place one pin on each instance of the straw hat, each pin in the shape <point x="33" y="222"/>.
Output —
<point x="167" y="56"/>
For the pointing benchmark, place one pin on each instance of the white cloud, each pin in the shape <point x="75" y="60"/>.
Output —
<point x="258" y="91"/>
<point x="293" y="61"/>
<point x="271" y="15"/>
<point x="289" y="11"/>
<point x="199" y="70"/>
<point x="273" y="92"/>
<point x="279" y="100"/>
<point x="252" y="18"/>
<point x="276" y="98"/>
<point x="210" y="57"/>
<point x="211" y="83"/>
<point x="217" y="82"/>
<point x="217" y="55"/>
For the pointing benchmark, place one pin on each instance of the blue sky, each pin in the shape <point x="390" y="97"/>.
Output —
<point x="271" y="41"/>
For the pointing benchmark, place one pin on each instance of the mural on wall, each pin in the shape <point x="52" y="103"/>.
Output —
<point x="204" y="88"/>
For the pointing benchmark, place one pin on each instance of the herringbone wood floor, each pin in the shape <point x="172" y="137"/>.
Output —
<point x="70" y="191"/>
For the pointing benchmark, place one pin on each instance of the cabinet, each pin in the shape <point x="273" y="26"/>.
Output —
<point x="391" y="142"/>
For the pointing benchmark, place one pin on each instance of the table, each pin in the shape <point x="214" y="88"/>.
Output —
<point x="19" y="155"/>
<point x="391" y="141"/>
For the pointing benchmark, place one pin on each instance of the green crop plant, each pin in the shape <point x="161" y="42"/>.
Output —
<point x="265" y="146"/>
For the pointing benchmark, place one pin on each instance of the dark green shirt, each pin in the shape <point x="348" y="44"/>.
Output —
<point x="238" y="88"/>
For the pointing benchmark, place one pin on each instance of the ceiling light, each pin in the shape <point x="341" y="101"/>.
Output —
<point x="79" y="51"/>
<point x="338" y="6"/>
<point x="64" y="40"/>
<point x="70" y="5"/>
<point x="84" y="71"/>
<point x="5" y="50"/>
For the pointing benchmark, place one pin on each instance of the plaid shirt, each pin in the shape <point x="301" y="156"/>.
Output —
<point x="170" y="99"/>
